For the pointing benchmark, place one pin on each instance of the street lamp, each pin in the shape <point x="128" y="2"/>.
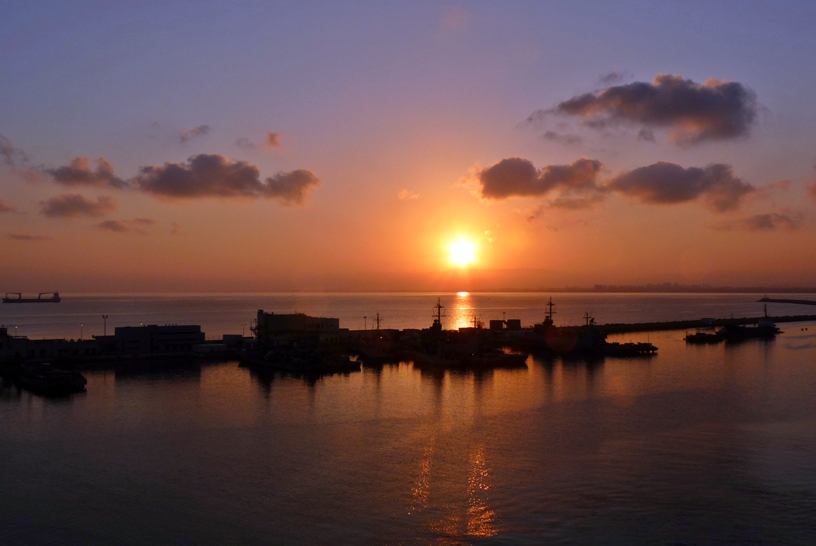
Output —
<point x="105" y="325"/>
<point x="80" y="331"/>
<point x="243" y="328"/>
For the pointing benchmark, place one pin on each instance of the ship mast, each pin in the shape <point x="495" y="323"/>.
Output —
<point x="550" y="306"/>
<point x="439" y="315"/>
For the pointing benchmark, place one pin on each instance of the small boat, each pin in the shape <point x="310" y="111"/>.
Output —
<point x="764" y="329"/>
<point x="54" y="298"/>
<point x="703" y="337"/>
<point x="629" y="349"/>
<point x="50" y="381"/>
<point x="735" y="332"/>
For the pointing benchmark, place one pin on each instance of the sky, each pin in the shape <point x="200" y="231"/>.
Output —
<point x="274" y="146"/>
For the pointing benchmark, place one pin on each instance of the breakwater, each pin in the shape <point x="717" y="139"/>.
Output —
<point x="692" y="324"/>
<point x="783" y="300"/>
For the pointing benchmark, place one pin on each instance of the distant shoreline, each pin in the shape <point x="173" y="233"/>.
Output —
<point x="598" y="289"/>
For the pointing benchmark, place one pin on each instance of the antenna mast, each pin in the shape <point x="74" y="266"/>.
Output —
<point x="439" y="314"/>
<point x="550" y="306"/>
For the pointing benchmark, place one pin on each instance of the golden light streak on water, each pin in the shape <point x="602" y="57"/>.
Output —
<point x="480" y="518"/>
<point x="422" y="484"/>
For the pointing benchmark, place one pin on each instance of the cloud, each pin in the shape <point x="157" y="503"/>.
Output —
<point x="69" y="205"/>
<point x="693" y="112"/>
<point x="613" y="76"/>
<point x="405" y="194"/>
<point x="213" y="175"/>
<point x="113" y="225"/>
<point x="6" y="207"/>
<point x="29" y="238"/>
<point x="272" y="140"/>
<point x="566" y="203"/>
<point x="646" y="135"/>
<point x="517" y="176"/>
<point x="185" y="135"/>
<point x="292" y="186"/>
<point x="667" y="183"/>
<point x="80" y="173"/>
<point x="768" y="191"/>
<point x="773" y="221"/>
<point x="812" y="190"/>
<point x="137" y="225"/>
<point x="245" y="143"/>
<point x="779" y="185"/>
<point x="571" y="203"/>
<point x="562" y="138"/>
<point x="577" y="186"/>
<point x="10" y="155"/>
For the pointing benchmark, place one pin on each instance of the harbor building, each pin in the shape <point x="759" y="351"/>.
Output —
<point x="295" y="327"/>
<point x="128" y="342"/>
<point x="152" y="339"/>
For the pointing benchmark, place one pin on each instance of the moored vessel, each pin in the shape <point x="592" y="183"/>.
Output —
<point x="54" y="298"/>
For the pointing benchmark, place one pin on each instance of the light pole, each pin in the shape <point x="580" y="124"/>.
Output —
<point x="105" y="325"/>
<point x="243" y="328"/>
<point x="80" y="331"/>
<point x="365" y="322"/>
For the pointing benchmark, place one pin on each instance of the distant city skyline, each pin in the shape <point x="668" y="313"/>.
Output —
<point x="405" y="146"/>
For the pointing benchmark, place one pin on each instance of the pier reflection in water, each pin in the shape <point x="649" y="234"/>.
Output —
<point x="700" y="444"/>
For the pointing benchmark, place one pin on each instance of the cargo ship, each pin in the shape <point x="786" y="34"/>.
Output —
<point x="51" y="297"/>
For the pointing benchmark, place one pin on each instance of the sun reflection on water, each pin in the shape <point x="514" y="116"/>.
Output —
<point x="480" y="518"/>
<point x="422" y="484"/>
<point x="463" y="311"/>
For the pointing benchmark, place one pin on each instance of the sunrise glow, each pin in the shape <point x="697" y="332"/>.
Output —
<point x="462" y="252"/>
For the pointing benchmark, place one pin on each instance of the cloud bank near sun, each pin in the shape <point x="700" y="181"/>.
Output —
<point x="659" y="183"/>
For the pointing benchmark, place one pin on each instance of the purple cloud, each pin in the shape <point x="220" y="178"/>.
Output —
<point x="667" y="183"/>
<point x="185" y="135"/>
<point x="693" y="112"/>
<point x="70" y="205"/>
<point x="80" y="173"/>
<point x="213" y="175"/>
<point x="517" y="176"/>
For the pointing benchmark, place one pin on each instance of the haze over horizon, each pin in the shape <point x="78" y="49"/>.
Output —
<point x="322" y="146"/>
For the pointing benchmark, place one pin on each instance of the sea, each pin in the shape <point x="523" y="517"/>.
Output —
<point x="698" y="444"/>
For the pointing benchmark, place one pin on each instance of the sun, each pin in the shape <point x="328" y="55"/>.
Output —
<point x="462" y="252"/>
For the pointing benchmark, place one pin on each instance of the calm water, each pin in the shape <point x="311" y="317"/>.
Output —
<point x="697" y="445"/>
